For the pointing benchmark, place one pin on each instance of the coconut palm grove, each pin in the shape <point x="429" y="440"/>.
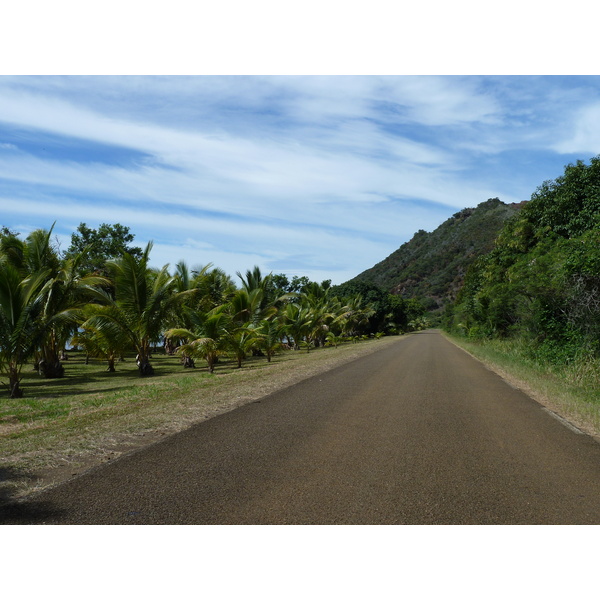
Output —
<point x="102" y="298"/>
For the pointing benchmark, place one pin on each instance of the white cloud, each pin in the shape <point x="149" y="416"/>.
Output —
<point x="436" y="101"/>
<point x="215" y="240"/>
<point x="333" y="171"/>
<point x="585" y="134"/>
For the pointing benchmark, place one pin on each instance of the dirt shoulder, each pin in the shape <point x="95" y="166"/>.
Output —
<point x="67" y="454"/>
<point x="547" y="390"/>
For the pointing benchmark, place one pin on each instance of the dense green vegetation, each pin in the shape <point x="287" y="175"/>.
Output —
<point x="390" y="313"/>
<point x="103" y="296"/>
<point x="431" y="266"/>
<point x="540" y="284"/>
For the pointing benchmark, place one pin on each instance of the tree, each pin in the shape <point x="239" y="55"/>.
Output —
<point x="281" y="283"/>
<point x="241" y="341"/>
<point x="269" y="333"/>
<point x="207" y="336"/>
<point x="108" y="342"/>
<point x="101" y="245"/>
<point x="8" y="232"/>
<point x="298" y="283"/>
<point x="254" y="281"/>
<point x="298" y="323"/>
<point x="63" y="292"/>
<point x="355" y="316"/>
<point x="249" y="307"/>
<point x="143" y="300"/>
<point x="371" y="296"/>
<point x="21" y="302"/>
<point x="214" y="285"/>
<point x="540" y="281"/>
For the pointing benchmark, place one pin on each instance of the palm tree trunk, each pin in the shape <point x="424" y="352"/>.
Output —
<point x="49" y="366"/>
<point x="14" y="381"/>
<point x="211" y="363"/>
<point x="188" y="362"/>
<point x="144" y="366"/>
<point x="143" y="360"/>
<point x="51" y="369"/>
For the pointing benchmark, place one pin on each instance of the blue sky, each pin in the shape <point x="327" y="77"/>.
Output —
<point x="321" y="176"/>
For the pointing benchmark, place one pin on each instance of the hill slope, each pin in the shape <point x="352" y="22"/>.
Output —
<point x="431" y="267"/>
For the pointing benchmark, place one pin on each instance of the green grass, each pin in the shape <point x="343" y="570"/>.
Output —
<point x="89" y="404"/>
<point x="91" y="414"/>
<point x="572" y="390"/>
<point x="88" y="387"/>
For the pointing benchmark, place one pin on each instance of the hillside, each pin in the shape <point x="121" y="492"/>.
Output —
<point x="431" y="267"/>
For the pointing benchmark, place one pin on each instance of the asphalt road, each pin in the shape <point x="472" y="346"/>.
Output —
<point x="417" y="433"/>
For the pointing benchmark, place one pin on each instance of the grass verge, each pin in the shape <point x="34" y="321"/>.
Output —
<point x="63" y="427"/>
<point x="572" y="391"/>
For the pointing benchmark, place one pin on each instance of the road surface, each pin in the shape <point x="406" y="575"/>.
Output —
<point x="417" y="433"/>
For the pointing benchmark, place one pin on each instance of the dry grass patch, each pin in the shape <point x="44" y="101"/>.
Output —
<point x="66" y="426"/>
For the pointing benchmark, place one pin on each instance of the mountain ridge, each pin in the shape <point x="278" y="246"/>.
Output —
<point x="431" y="267"/>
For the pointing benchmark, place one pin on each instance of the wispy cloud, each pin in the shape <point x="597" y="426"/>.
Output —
<point x="332" y="173"/>
<point x="585" y="134"/>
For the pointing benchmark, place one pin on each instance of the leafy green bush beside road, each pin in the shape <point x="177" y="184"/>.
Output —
<point x="536" y="294"/>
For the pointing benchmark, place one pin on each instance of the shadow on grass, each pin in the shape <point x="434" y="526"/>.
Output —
<point x="36" y="387"/>
<point x="21" y="512"/>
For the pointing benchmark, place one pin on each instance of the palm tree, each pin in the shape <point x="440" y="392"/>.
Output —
<point x="21" y="303"/>
<point x="214" y="285"/>
<point x="63" y="292"/>
<point x="355" y="316"/>
<point x="207" y="339"/>
<point x="269" y="333"/>
<point x="254" y="281"/>
<point x="34" y="254"/>
<point x="333" y="339"/>
<point x="241" y="341"/>
<point x="298" y="323"/>
<point x="108" y="342"/>
<point x="249" y="307"/>
<point x="143" y="299"/>
<point x="200" y="289"/>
